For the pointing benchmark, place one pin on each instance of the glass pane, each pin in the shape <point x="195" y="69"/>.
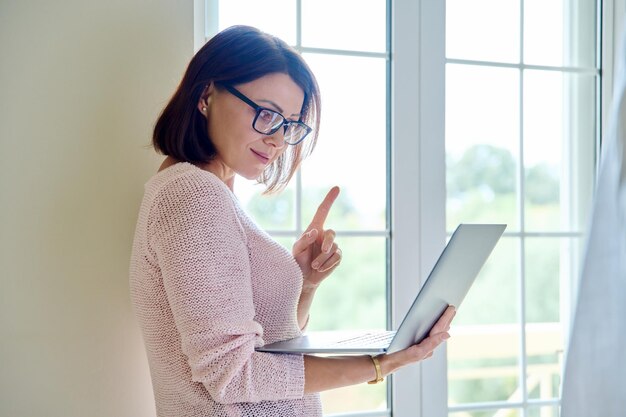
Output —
<point x="544" y="22"/>
<point x="357" y="25"/>
<point x="559" y="131"/>
<point x="356" y="398"/>
<point x="544" y="350"/>
<point x="493" y="297"/>
<point x="482" y="141"/>
<point x="543" y="259"/>
<point x="483" y="30"/>
<point x="502" y="412"/>
<point x="353" y="298"/>
<point x="351" y="150"/>
<point x="560" y="33"/>
<point x="551" y="268"/>
<point x="552" y="411"/>
<point x="483" y="353"/>
<point x="276" y="212"/>
<point x="286" y="241"/>
<point x="261" y="14"/>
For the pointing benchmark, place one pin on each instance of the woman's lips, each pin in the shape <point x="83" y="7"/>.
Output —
<point x="261" y="156"/>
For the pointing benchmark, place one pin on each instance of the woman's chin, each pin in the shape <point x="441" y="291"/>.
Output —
<point x="251" y="175"/>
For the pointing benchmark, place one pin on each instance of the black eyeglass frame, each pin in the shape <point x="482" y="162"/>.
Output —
<point x="285" y="123"/>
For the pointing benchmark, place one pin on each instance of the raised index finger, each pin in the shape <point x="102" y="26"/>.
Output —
<point x="324" y="209"/>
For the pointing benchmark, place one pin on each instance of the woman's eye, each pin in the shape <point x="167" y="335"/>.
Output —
<point x="267" y="116"/>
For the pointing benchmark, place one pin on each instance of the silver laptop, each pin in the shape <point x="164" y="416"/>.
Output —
<point x="447" y="284"/>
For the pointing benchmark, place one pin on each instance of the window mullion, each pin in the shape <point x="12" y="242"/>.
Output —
<point x="418" y="185"/>
<point x="522" y="223"/>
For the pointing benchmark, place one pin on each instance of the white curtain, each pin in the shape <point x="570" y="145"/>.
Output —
<point x="594" y="381"/>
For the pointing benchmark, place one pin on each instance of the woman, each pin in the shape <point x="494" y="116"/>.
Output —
<point x="208" y="286"/>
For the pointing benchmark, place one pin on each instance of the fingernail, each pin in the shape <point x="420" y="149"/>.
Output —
<point x="310" y="234"/>
<point x="446" y="336"/>
<point x="315" y="265"/>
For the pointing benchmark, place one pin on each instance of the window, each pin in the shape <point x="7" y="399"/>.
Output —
<point x="352" y="152"/>
<point x="474" y="111"/>
<point x="521" y="133"/>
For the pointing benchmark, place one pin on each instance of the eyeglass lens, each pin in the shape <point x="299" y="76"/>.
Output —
<point x="268" y="122"/>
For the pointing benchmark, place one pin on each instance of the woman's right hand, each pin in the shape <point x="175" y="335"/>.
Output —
<point x="324" y="373"/>
<point x="439" y="333"/>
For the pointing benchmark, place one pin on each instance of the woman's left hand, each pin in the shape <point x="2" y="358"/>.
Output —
<point x="316" y="251"/>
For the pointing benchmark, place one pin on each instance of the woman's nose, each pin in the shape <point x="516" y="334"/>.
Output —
<point x="276" y="139"/>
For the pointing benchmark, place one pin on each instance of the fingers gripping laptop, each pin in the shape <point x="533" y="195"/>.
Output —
<point x="447" y="284"/>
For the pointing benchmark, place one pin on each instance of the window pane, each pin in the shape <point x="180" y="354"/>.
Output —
<point x="543" y="257"/>
<point x="483" y="365"/>
<point x="544" y="352"/>
<point x="276" y="212"/>
<point x="483" y="353"/>
<point x="559" y="113"/>
<point x="351" y="150"/>
<point x="354" y="296"/>
<point x="493" y="297"/>
<point x="560" y="33"/>
<point x="543" y="32"/>
<point x="357" y="25"/>
<point x="554" y="173"/>
<point x="286" y="242"/>
<point x="482" y="134"/>
<point x="261" y="14"/>
<point x="483" y="30"/>
<point x="551" y="266"/>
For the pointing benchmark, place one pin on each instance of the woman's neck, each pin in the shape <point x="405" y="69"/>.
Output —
<point x="216" y="167"/>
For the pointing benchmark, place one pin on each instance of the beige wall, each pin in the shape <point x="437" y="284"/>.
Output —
<point x="81" y="82"/>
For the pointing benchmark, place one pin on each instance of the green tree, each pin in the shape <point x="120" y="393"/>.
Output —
<point x="542" y="185"/>
<point x="482" y="166"/>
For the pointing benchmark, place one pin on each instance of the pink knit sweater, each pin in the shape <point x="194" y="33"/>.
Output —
<point x="208" y="286"/>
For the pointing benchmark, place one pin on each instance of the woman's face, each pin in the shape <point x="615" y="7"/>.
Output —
<point x="240" y="148"/>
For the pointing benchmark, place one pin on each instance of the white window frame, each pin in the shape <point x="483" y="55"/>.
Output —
<point x="420" y="49"/>
<point x="417" y="185"/>
<point x="418" y="191"/>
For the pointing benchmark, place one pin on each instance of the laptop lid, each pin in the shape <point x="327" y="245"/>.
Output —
<point x="447" y="284"/>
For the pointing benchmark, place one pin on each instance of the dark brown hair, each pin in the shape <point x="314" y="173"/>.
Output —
<point x="234" y="56"/>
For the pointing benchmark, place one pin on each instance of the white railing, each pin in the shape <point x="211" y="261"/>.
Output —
<point x="502" y="342"/>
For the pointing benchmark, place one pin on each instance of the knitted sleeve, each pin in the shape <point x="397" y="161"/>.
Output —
<point x="202" y="252"/>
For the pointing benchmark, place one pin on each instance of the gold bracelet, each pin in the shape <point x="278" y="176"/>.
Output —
<point x="379" y="373"/>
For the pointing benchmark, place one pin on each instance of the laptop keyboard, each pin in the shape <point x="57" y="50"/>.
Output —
<point x="374" y="339"/>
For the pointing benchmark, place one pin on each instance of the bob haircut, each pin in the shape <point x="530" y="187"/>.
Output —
<point x="236" y="55"/>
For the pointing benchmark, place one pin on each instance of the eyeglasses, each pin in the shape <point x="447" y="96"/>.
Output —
<point x="268" y="121"/>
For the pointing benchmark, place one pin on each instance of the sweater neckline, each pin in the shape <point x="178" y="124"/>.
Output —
<point x="184" y="166"/>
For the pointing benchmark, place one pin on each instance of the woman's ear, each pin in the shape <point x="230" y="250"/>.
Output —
<point x="203" y="103"/>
